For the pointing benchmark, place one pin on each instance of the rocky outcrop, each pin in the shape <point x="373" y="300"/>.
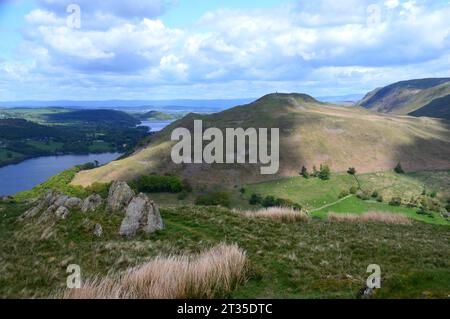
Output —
<point x="52" y="204"/>
<point x="120" y="195"/>
<point x="141" y="214"/>
<point x="73" y="202"/>
<point x="91" y="203"/>
<point x="62" y="212"/>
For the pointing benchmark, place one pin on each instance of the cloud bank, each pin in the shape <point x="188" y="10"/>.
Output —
<point x="124" y="50"/>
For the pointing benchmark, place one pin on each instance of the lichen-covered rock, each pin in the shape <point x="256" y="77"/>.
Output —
<point x="73" y="202"/>
<point x="120" y="195"/>
<point x="91" y="203"/>
<point x="141" y="214"/>
<point x="62" y="212"/>
<point x="60" y="200"/>
<point x="98" y="230"/>
<point x="48" y="205"/>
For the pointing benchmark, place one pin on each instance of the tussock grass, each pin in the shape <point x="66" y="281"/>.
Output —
<point x="277" y="213"/>
<point x="388" y="218"/>
<point x="213" y="273"/>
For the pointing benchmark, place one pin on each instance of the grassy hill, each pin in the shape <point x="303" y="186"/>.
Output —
<point x="156" y="116"/>
<point x="407" y="96"/>
<point x="311" y="133"/>
<point x="439" y="108"/>
<point x="314" y="258"/>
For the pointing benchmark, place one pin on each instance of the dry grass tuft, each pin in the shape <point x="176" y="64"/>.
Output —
<point x="277" y="213"/>
<point x="388" y="218"/>
<point x="213" y="273"/>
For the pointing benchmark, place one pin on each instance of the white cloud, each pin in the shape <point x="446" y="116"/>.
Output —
<point x="309" y="45"/>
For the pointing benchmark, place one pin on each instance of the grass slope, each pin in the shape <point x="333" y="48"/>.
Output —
<point x="304" y="259"/>
<point x="439" y="108"/>
<point x="311" y="133"/>
<point x="314" y="193"/>
<point x="406" y="96"/>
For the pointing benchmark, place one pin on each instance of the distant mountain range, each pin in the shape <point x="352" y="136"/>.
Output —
<point x="421" y="97"/>
<point x="167" y="105"/>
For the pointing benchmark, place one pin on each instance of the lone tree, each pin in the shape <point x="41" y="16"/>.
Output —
<point x="304" y="172"/>
<point x="352" y="171"/>
<point x="399" y="169"/>
<point x="324" y="172"/>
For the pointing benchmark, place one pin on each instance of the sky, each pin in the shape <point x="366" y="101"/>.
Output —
<point x="216" y="49"/>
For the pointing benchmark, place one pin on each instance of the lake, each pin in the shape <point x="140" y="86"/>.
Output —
<point x="155" y="126"/>
<point x="29" y="173"/>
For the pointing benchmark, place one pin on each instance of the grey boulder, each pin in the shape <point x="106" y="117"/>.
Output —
<point x="141" y="214"/>
<point x="120" y="195"/>
<point x="91" y="203"/>
<point x="98" y="230"/>
<point x="73" y="202"/>
<point x="62" y="212"/>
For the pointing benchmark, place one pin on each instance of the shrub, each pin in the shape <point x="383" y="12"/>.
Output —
<point x="272" y="201"/>
<point x="182" y="195"/>
<point x="88" y="166"/>
<point x="255" y="199"/>
<point x="344" y="193"/>
<point x="158" y="184"/>
<point x="395" y="201"/>
<point x="242" y="190"/>
<point x="351" y="171"/>
<point x="269" y="201"/>
<point x="398" y="169"/>
<point x="380" y="199"/>
<point x="211" y="274"/>
<point x="433" y="194"/>
<point x="325" y="172"/>
<point x="430" y="204"/>
<point x="375" y="194"/>
<point x="423" y="211"/>
<point x="304" y="172"/>
<point x="101" y="189"/>
<point x="364" y="195"/>
<point x="287" y="203"/>
<point x="214" y="199"/>
<point x="447" y="207"/>
<point x="353" y="189"/>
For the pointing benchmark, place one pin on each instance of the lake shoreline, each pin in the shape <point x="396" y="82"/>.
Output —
<point x="27" y="174"/>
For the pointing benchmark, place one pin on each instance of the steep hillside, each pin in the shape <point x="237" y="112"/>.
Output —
<point x="439" y="108"/>
<point x="311" y="133"/>
<point x="406" y="96"/>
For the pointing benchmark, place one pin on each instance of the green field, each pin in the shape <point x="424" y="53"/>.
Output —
<point x="305" y="259"/>
<point x="322" y="196"/>
<point x="313" y="193"/>
<point x="353" y="205"/>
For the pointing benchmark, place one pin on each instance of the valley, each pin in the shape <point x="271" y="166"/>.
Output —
<point x="355" y="187"/>
<point x="30" y="133"/>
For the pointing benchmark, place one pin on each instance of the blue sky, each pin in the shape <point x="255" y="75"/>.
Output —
<point x="207" y="49"/>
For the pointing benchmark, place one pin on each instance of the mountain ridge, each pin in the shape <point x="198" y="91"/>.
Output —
<point x="405" y="97"/>
<point x="311" y="133"/>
